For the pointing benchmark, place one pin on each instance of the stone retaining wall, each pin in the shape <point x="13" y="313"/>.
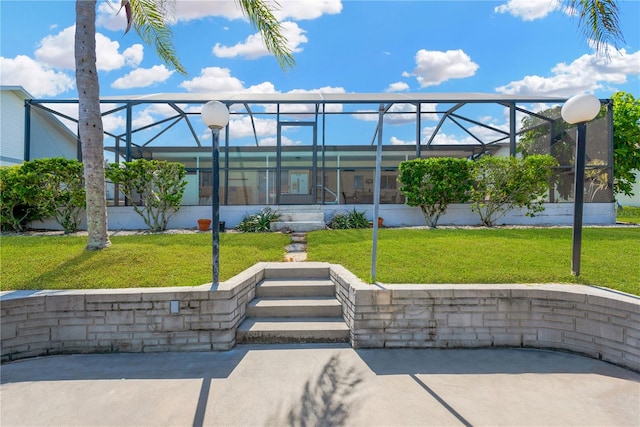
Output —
<point x="600" y="323"/>
<point x="596" y="322"/>
<point x="127" y="320"/>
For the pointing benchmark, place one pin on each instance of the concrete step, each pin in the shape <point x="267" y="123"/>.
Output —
<point x="301" y="216"/>
<point x="275" y="288"/>
<point x="292" y="330"/>
<point x="298" y="226"/>
<point x="301" y="271"/>
<point x="295" y="307"/>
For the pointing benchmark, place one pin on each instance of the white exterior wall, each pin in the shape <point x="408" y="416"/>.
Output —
<point x="49" y="137"/>
<point x="124" y="218"/>
<point x="11" y="128"/>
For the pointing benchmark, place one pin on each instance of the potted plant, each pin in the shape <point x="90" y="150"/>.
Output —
<point x="380" y="221"/>
<point x="204" y="224"/>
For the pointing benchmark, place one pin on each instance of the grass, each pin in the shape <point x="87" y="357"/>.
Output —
<point x="629" y="214"/>
<point x="60" y="262"/>
<point x="610" y="256"/>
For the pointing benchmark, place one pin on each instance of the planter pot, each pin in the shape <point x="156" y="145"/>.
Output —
<point x="204" y="224"/>
<point x="380" y="220"/>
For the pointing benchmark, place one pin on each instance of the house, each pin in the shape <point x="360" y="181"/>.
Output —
<point x="320" y="151"/>
<point x="49" y="137"/>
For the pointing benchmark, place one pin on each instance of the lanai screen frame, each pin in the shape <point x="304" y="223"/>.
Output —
<point x="186" y="107"/>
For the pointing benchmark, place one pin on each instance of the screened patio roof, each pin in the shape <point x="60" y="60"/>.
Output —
<point x="335" y="98"/>
<point x="443" y="109"/>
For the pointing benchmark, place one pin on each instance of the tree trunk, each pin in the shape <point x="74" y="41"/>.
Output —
<point x="90" y="124"/>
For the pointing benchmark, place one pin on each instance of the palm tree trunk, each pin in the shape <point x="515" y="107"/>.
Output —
<point x="90" y="124"/>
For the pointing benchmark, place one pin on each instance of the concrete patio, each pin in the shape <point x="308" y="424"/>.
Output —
<point x="320" y="384"/>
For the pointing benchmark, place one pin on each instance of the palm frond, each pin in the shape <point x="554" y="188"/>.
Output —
<point x="599" y="22"/>
<point x="263" y="19"/>
<point x="151" y="22"/>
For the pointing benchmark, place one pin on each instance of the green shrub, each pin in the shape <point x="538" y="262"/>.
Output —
<point x="351" y="219"/>
<point x="41" y="188"/>
<point x="18" y="204"/>
<point x="61" y="187"/>
<point x="503" y="183"/>
<point x="159" y="185"/>
<point x="434" y="183"/>
<point x="259" y="222"/>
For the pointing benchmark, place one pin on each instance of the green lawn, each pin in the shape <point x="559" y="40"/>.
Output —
<point x="60" y="262"/>
<point x="629" y="214"/>
<point x="610" y="256"/>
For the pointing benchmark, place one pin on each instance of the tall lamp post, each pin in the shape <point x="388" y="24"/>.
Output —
<point x="216" y="116"/>
<point x="579" y="110"/>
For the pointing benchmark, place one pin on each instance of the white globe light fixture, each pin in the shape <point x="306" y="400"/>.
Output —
<point x="579" y="110"/>
<point x="215" y="115"/>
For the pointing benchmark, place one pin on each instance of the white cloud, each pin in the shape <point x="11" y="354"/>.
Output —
<point x="213" y="79"/>
<point x="110" y="16"/>
<point x="264" y="87"/>
<point x="143" y="77"/>
<point x="588" y="73"/>
<point x="435" y="67"/>
<point x="529" y="10"/>
<point x="35" y="77"/>
<point x="397" y="87"/>
<point x="307" y="9"/>
<point x="190" y="10"/>
<point x="110" y="59"/>
<point x="397" y="141"/>
<point x="308" y="108"/>
<point x="272" y="141"/>
<point x="152" y="114"/>
<point x="58" y="51"/>
<point x="442" y="138"/>
<point x="294" y="9"/>
<point x="113" y="123"/>
<point x="242" y="127"/>
<point x="400" y="114"/>
<point x="253" y="47"/>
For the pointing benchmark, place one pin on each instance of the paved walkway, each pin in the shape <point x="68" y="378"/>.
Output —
<point x="319" y="385"/>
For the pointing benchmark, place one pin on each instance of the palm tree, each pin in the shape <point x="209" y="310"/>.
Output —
<point x="90" y="124"/>
<point x="150" y="20"/>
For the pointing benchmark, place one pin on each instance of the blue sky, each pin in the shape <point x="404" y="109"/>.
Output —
<point x="523" y="47"/>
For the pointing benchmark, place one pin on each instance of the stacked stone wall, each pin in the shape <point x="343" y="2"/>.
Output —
<point x="596" y="322"/>
<point x="128" y="320"/>
<point x="600" y="323"/>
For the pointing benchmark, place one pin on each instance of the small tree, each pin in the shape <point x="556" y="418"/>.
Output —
<point x="503" y="183"/>
<point x="159" y="185"/>
<point x="18" y="199"/>
<point x="626" y="142"/>
<point x="61" y="191"/>
<point x="434" y="183"/>
<point x="39" y="189"/>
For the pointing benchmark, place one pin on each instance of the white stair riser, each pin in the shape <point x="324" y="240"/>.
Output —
<point x="284" y="337"/>
<point x="294" y="311"/>
<point x="301" y="271"/>
<point x="302" y="217"/>
<point x="298" y="226"/>
<point x="279" y="289"/>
